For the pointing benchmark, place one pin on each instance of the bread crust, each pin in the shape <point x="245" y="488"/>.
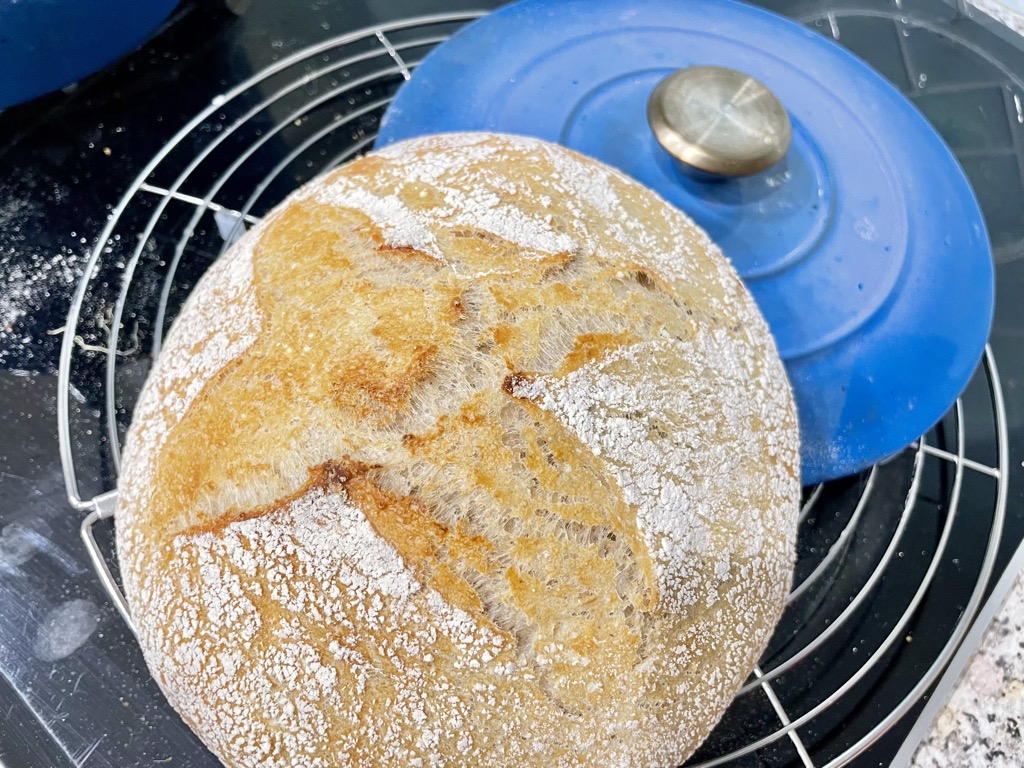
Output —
<point x="473" y="452"/>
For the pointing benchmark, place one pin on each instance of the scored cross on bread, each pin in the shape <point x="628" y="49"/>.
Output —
<point x="473" y="452"/>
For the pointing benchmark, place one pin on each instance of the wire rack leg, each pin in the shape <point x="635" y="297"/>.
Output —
<point x="103" y="508"/>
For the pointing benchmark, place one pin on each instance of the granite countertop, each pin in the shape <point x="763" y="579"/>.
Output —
<point x="981" y="723"/>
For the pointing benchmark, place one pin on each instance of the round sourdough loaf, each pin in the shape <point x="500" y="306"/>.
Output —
<point x="474" y="452"/>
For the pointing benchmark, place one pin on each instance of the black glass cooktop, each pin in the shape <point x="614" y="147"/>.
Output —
<point x="73" y="687"/>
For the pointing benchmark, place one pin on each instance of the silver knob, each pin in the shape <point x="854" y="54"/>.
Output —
<point x="719" y="121"/>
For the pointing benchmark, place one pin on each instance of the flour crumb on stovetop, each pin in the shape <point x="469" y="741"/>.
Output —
<point x="27" y="285"/>
<point x="38" y="270"/>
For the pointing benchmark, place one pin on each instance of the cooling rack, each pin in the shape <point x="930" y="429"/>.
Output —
<point x="893" y="563"/>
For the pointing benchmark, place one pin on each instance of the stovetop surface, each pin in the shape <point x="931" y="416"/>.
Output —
<point x="73" y="686"/>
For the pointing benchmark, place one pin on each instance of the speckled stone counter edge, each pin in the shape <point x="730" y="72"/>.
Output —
<point x="981" y="645"/>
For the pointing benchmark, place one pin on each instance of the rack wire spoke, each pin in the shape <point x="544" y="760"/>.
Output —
<point x="776" y="705"/>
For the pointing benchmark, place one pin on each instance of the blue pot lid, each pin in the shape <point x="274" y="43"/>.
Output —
<point x="864" y="247"/>
<point x="48" y="45"/>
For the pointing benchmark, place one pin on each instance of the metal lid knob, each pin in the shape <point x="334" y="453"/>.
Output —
<point x="719" y="121"/>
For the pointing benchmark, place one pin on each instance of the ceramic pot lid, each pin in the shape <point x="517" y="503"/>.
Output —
<point x="864" y="245"/>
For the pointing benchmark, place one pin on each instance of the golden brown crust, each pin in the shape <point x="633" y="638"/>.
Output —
<point x="474" y="452"/>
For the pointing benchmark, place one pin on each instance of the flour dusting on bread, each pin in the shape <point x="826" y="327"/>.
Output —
<point x="660" y="439"/>
<point x="473" y="452"/>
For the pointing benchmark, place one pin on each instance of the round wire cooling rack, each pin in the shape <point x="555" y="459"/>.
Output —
<point x="893" y="564"/>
